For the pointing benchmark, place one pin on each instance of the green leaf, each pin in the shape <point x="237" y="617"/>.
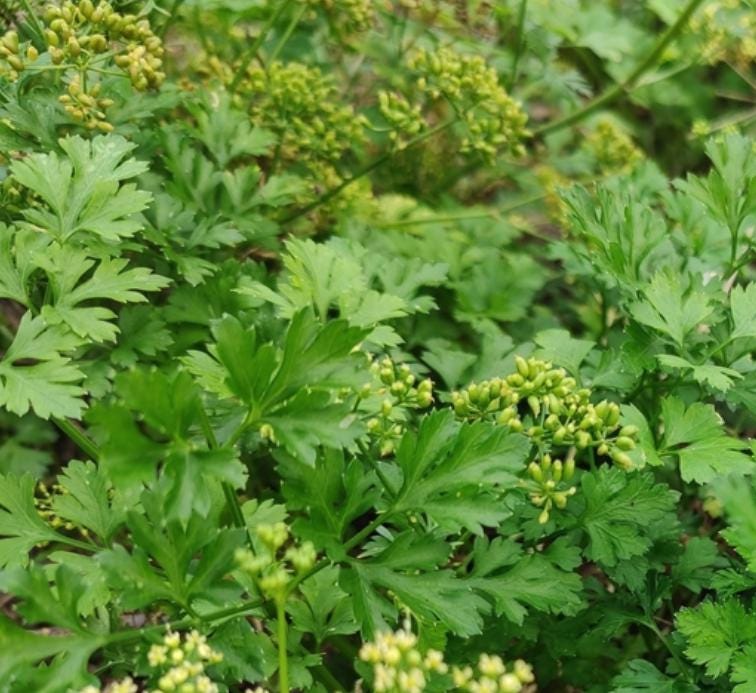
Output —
<point x="743" y="307"/>
<point x="640" y="676"/>
<point x="35" y="375"/>
<point x="309" y="420"/>
<point x="739" y="500"/>
<point x="563" y="349"/>
<point x="455" y="473"/>
<point x="695" y="436"/>
<point x="618" y="509"/>
<point x="85" y="499"/>
<point x="325" y="609"/>
<point x="83" y="192"/>
<point x="110" y="281"/>
<point x="720" y="635"/>
<point x="669" y="308"/>
<point x="21" y="527"/>
<point x="717" y="377"/>
<point x="527" y="582"/>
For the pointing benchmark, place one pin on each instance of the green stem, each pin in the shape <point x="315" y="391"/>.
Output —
<point x="520" y="42"/>
<point x="620" y="88"/>
<point x="169" y="19"/>
<point x="682" y="666"/>
<point x="252" y="51"/>
<point x="79" y="437"/>
<point x="365" y="170"/>
<point x="184" y="623"/>
<point x="366" y="531"/>
<point x="289" y="31"/>
<point x="492" y="214"/>
<point x="32" y="18"/>
<point x="283" y="658"/>
<point x="229" y="492"/>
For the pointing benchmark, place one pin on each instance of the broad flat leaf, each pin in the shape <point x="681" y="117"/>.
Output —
<point x="669" y="308"/>
<point x="23" y="648"/>
<point x="21" y="527"/>
<point x="82" y="191"/>
<point x="739" y="500"/>
<point x="247" y="654"/>
<point x="309" y="420"/>
<point x="718" y="377"/>
<point x="456" y="472"/>
<point x="719" y="635"/>
<point x="35" y="375"/>
<point x="325" y="609"/>
<point x="743" y="307"/>
<point x="619" y="509"/>
<point x="333" y="492"/>
<point x="640" y="676"/>
<point x="526" y="582"/>
<point x="11" y="278"/>
<point x="437" y="596"/>
<point x="141" y="332"/>
<point x="110" y="281"/>
<point x="85" y="500"/>
<point x="563" y="349"/>
<point x="696" y="437"/>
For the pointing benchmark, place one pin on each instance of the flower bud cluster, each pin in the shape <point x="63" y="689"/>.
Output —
<point x="547" y="405"/>
<point x="125" y="685"/>
<point x="549" y="484"/>
<point x="613" y="149"/>
<point x="78" y="33"/>
<point x="405" y="119"/>
<point x="727" y="31"/>
<point x="393" y="392"/>
<point x="272" y="567"/>
<point x="493" y="676"/>
<point x="180" y="663"/>
<point x="347" y="16"/>
<point x="301" y="105"/>
<point x="399" y="666"/>
<point x="14" y="56"/>
<point x="85" y="107"/>
<point x="493" y="121"/>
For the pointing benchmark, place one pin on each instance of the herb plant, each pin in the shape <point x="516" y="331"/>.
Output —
<point x="379" y="345"/>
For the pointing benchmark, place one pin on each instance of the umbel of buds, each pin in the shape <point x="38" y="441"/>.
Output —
<point x="301" y="105"/>
<point x="547" y="405"/>
<point x="77" y="33"/>
<point x="271" y="566"/>
<point x="389" y="398"/>
<point x="549" y="484"/>
<point x="399" y="666"/>
<point x="492" y="120"/>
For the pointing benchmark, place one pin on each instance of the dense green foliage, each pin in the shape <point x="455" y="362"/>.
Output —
<point x="377" y="345"/>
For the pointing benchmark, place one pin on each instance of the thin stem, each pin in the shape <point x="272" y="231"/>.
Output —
<point x="683" y="667"/>
<point x="366" y="531"/>
<point x="365" y="170"/>
<point x="493" y="214"/>
<point x="289" y="31"/>
<point x="621" y="87"/>
<point x="259" y="39"/>
<point x="32" y="18"/>
<point x="169" y="19"/>
<point x="283" y="658"/>
<point x="79" y="437"/>
<point x="520" y="42"/>
<point x="184" y="623"/>
<point x="229" y="492"/>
